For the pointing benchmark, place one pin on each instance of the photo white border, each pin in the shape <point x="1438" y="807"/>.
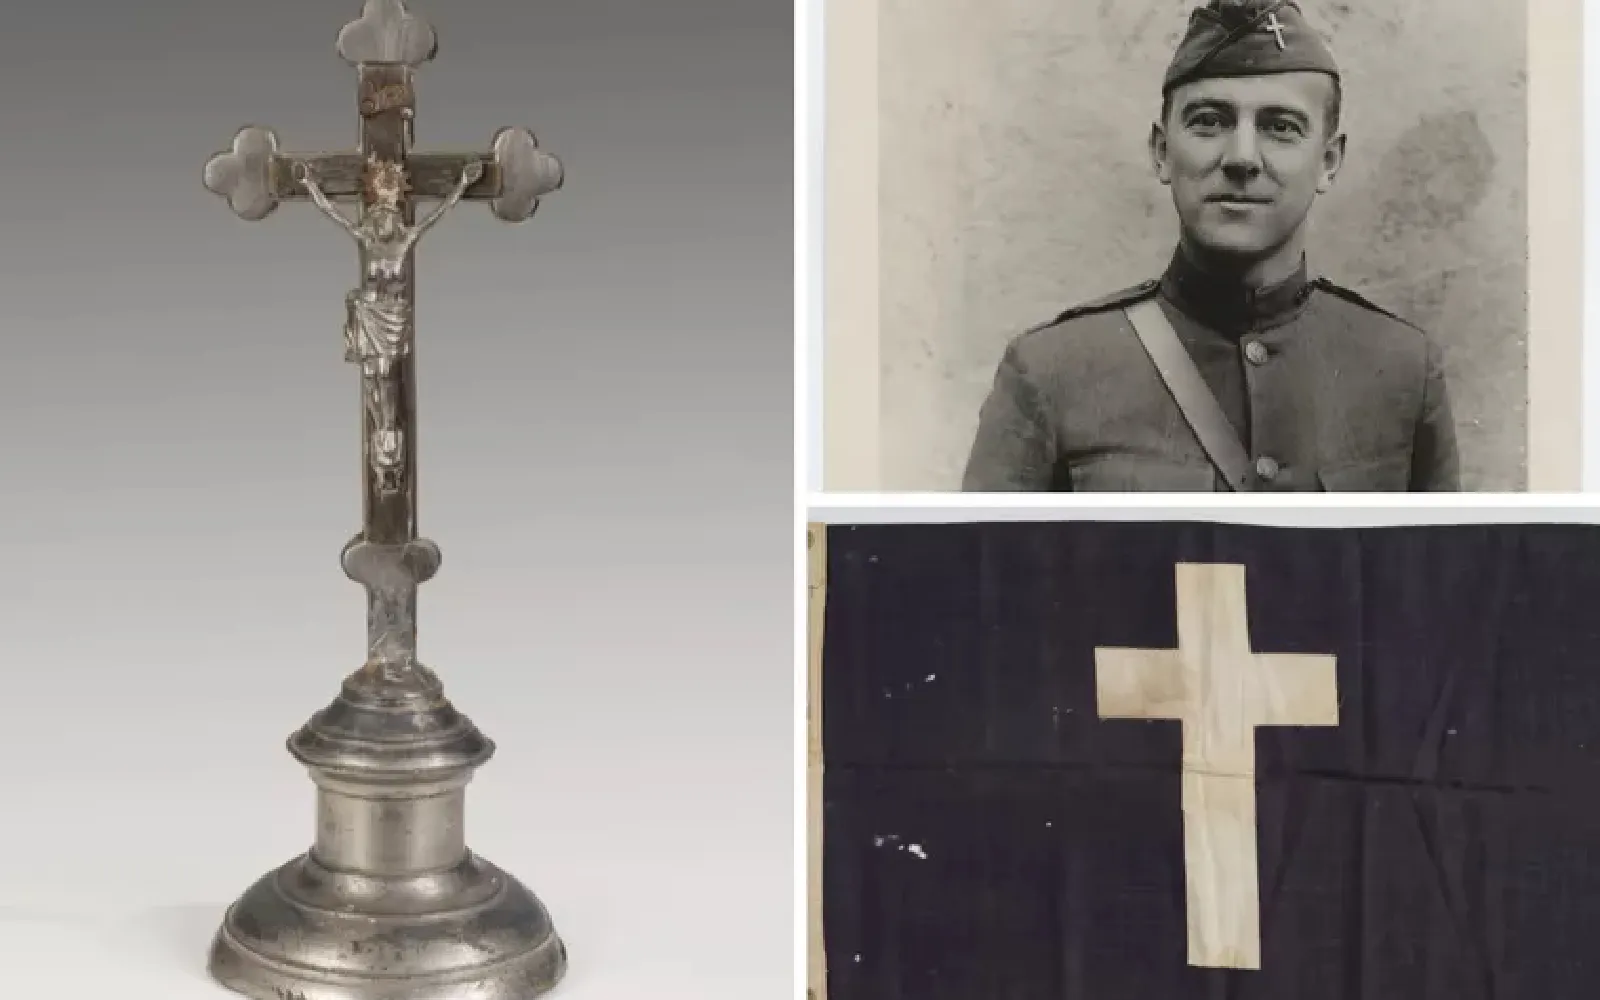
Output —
<point x="1303" y="510"/>
<point x="845" y="351"/>
<point x="851" y="372"/>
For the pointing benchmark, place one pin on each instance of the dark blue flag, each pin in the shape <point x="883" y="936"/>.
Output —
<point x="1091" y="761"/>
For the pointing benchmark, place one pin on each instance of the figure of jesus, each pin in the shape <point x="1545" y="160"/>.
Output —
<point x="378" y="325"/>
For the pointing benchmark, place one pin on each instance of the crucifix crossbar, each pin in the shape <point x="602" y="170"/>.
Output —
<point x="386" y="180"/>
<point x="1221" y="691"/>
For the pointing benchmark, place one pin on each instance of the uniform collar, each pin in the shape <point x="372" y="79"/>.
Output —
<point x="1230" y="307"/>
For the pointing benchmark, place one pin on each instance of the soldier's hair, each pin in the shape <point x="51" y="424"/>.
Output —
<point x="1332" y="112"/>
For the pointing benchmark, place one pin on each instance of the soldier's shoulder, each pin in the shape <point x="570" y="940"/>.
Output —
<point x="1096" y="307"/>
<point x="1351" y="299"/>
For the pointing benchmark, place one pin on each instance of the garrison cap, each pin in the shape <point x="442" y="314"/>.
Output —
<point x="1248" y="38"/>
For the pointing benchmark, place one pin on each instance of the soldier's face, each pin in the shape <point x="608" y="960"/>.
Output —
<point x="1246" y="158"/>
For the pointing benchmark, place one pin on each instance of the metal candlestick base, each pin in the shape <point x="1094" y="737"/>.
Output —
<point x="389" y="904"/>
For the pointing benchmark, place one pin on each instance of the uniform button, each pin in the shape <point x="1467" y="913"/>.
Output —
<point x="1256" y="352"/>
<point x="1266" y="468"/>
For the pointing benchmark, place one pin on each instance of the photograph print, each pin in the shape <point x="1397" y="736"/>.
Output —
<point x="1225" y="246"/>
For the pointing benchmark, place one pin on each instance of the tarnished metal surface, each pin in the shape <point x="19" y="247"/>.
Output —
<point x="243" y="174"/>
<point x="387" y="33"/>
<point x="526" y="173"/>
<point x="389" y="903"/>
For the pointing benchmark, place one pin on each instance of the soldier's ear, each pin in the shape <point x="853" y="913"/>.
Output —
<point x="1332" y="160"/>
<point x="1158" y="153"/>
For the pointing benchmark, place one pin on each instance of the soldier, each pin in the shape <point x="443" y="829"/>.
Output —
<point x="1235" y="370"/>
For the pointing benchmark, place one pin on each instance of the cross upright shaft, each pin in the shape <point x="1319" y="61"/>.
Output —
<point x="390" y="516"/>
<point x="387" y="180"/>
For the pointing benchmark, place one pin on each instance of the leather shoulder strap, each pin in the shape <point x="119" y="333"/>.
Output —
<point x="1200" y="408"/>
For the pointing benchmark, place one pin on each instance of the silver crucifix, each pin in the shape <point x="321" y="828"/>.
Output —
<point x="389" y="904"/>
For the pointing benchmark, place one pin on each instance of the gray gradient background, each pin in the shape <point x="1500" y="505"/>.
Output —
<point x="605" y="396"/>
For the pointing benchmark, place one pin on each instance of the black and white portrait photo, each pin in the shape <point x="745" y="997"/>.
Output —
<point x="1191" y="246"/>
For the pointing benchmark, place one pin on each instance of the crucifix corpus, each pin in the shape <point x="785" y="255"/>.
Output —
<point x="1221" y="691"/>
<point x="388" y="903"/>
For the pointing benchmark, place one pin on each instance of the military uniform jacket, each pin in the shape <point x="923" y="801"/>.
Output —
<point x="1326" y="392"/>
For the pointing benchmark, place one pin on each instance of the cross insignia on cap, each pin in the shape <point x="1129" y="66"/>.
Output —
<point x="1276" y="28"/>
